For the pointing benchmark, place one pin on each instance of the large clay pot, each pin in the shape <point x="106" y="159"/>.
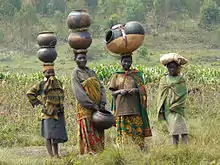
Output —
<point x="78" y="19"/>
<point x="124" y="39"/>
<point x="103" y="119"/>
<point x="46" y="39"/>
<point x="80" y="40"/>
<point x="47" y="55"/>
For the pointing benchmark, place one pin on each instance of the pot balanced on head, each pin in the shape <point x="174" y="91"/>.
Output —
<point x="124" y="39"/>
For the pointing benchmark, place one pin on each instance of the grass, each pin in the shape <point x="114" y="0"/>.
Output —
<point x="21" y="143"/>
<point x="27" y="62"/>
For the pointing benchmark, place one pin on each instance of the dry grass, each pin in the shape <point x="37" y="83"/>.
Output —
<point x="20" y="125"/>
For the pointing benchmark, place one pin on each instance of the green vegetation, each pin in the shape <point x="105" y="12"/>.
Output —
<point x="188" y="27"/>
<point x="21" y="123"/>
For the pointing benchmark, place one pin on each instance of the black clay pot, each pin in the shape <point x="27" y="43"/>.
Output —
<point x="80" y="40"/>
<point x="124" y="39"/>
<point x="47" y="55"/>
<point x="78" y="19"/>
<point x="46" y="39"/>
<point x="103" y="119"/>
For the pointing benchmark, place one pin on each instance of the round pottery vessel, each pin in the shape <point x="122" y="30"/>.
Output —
<point x="78" y="19"/>
<point x="80" y="40"/>
<point x="124" y="39"/>
<point x="46" y="39"/>
<point x="103" y="119"/>
<point x="47" y="55"/>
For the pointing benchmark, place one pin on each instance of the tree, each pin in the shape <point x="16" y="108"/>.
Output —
<point x="160" y="13"/>
<point x="209" y="14"/>
<point x="7" y="9"/>
<point x="134" y="10"/>
<point x="191" y="7"/>
<point x="42" y="6"/>
<point x="25" y="20"/>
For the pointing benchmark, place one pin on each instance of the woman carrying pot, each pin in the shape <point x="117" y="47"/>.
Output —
<point x="53" y="122"/>
<point x="129" y="104"/>
<point x="90" y="97"/>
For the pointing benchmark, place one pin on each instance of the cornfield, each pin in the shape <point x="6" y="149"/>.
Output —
<point x="193" y="73"/>
<point x="21" y="143"/>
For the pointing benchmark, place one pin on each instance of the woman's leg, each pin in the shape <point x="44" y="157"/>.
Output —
<point x="55" y="148"/>
<point x="176" y="139"/>
<point x="185" y="138"/>
<point x="49" y="146"/>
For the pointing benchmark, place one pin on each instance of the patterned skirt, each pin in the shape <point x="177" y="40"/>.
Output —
<point x="130" y="129"/>
<point x="91" y="140"/>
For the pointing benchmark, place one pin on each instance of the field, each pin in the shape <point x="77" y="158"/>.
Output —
<point x="188" y="27"/>
<point x="20" y="139"/>
<point x="20" y="124"/>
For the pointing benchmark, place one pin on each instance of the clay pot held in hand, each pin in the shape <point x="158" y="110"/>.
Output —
<point x="124" y="39"/>
<point x="103" y="119"/>
<point x="46" y="39"/>
<point x="80" y="40"/>
<point x="78" y="19"/>
<point x="47" y="55"/>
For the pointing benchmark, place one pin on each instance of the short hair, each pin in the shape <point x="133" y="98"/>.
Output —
<point x="76" y="54"/>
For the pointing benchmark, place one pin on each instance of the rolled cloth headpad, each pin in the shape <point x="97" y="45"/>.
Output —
<point x="167" y="58"/>
<point x="48" y="66"/>
<point x="79" y="51"/>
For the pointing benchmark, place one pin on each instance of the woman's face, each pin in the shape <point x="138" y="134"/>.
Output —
<point x="48" y="73"/>
<point x="126" y="63"/>
<point x="81" y="60"/>
<point x="173" y="68"/>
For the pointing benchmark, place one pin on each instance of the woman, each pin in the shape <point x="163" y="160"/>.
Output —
<point x="90" y="97"/>
<point x="129" y="104"/>
<point x="52" y="94"/>
<point x="172" y="96"/>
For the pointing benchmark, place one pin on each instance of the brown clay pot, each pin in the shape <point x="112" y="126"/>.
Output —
<point x="103" y="119"/>
<point x="78" y="19"/>
<point x="124" y="39"/>
<point x="47" y="54"/>
<point x="46" y="39"/>
<point x="80" y="40"/>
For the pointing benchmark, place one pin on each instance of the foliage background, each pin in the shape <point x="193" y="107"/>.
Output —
<point x="188" y="27"/>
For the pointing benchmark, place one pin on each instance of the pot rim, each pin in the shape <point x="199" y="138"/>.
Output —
<point x="44" y="32"/>
<point x="80" y="10"/>
<point x="104" y="112"/>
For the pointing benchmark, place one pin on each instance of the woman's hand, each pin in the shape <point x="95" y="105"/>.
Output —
<point x="37" y="103"/>
<point x="95" y="107"/>
<point x="102" y="107"/>
<point x="120" y="92"/>
<point x="123" y="92"/>
<point x="133" y="90"/>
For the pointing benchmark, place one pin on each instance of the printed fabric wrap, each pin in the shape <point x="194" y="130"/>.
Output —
<point x="171" y="97"/>
<point x="139" y="81"/>
<point x="93" y="90"/>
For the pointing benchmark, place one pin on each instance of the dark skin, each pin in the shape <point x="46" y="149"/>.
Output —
<point x="48" y="73"/>
<point x="126" y="62"/>
<point x="81" y="61"/>
<point x="52" y="147"/>
<point x="173" y="69"/>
